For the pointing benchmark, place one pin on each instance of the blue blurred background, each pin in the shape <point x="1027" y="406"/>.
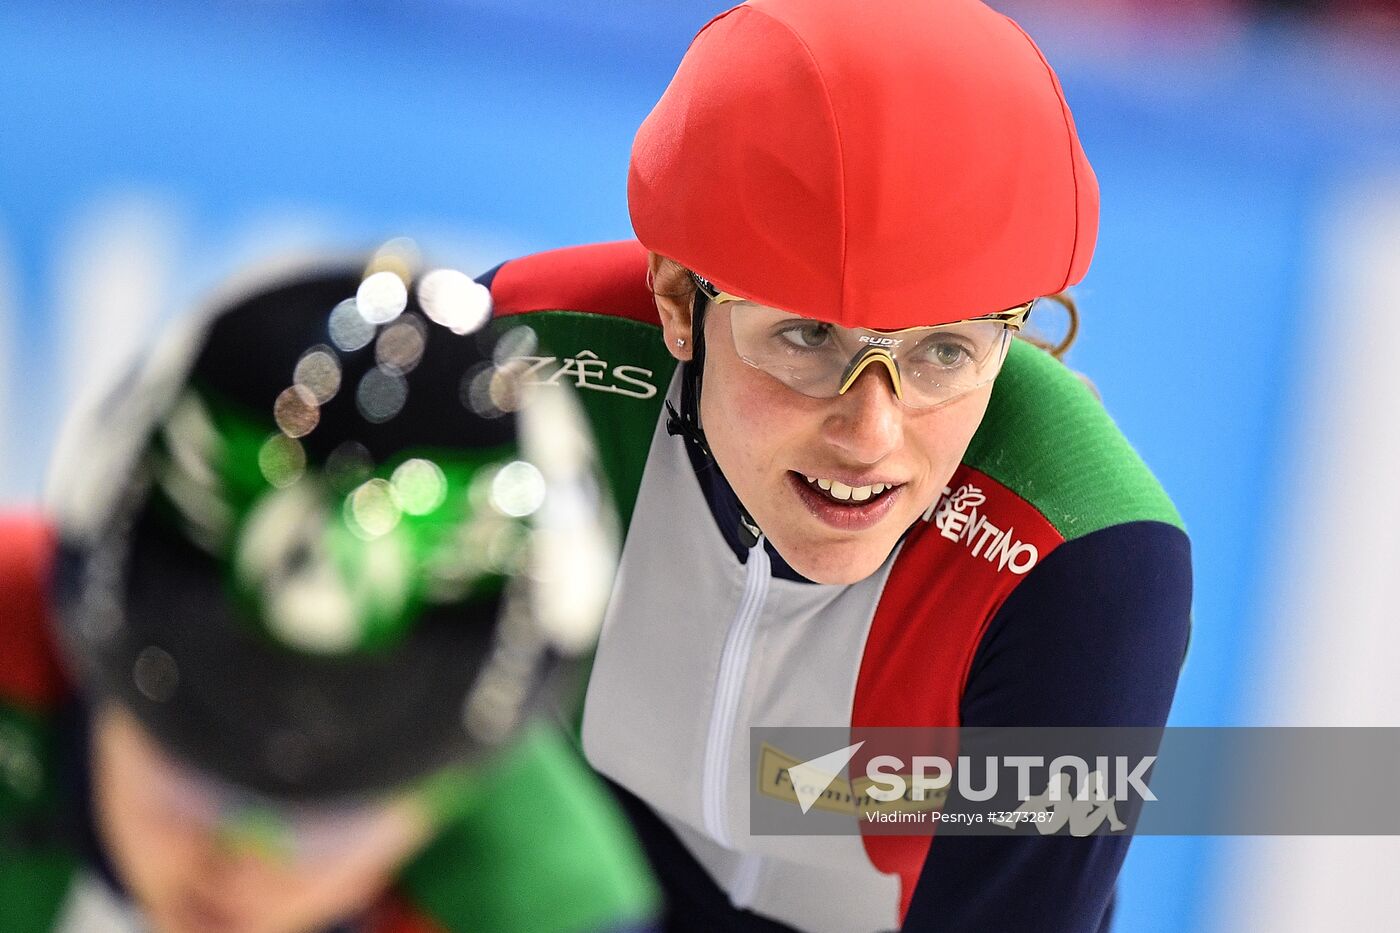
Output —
<point x="1249" y="158"/>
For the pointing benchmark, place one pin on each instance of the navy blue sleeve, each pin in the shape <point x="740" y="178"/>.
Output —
<point x="1094" y="636"/>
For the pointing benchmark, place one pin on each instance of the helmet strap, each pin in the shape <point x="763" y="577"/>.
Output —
<point x="686" y="422"/>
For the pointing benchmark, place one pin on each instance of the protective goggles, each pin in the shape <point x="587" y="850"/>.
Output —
<point x="277" y="831"/>
<point x="927" y="365"/>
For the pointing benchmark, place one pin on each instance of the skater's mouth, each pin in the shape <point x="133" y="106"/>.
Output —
<point x="851" y="503"/>
<point x="848" y="493"/>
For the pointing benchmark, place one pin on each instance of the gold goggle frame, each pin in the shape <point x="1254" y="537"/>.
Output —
<point x="1013" y="318"/>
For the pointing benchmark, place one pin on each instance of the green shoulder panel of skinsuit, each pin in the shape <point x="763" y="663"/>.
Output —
<point x="619" y="369"/>
<point x="1048" y="438"/>
<point x="541" y="848"/>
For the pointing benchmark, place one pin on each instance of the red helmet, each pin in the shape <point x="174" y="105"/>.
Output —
<point x="882" y="165"/>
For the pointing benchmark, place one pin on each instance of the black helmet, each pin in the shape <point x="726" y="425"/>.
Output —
<point x="321" y="544"/>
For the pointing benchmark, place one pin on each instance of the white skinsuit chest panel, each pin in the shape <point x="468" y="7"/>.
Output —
<point x="651" y="707"/>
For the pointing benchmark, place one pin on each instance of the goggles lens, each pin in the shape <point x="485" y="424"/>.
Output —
<point x="927" y="365"/>
<point x="284" y="832"/>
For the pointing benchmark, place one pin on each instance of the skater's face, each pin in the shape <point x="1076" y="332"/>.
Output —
<point x="193" y="868"/>
<point x="832" y="482"/>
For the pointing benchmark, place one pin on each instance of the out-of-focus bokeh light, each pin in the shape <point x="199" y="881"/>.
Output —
<point x="454" y="300"/>
<point x="372" y="510"/>
<point x="491" y="390"/>
<point x="381" y="394"/>
<point x="381" y="297"/>
<point x="518" y="341"/>
<point x="517" y="489"/>
<point x="319" y="371"/>
<point x="296" y="411"/>
<point x="348" y="328"/>
<point x="419" y="486"/>
<point x="400" y="345"/>
<point x="155" y="674"/>
<point x="474" y="391"/>
<point x="282" y="460"/>
<point x="401" y="256"/>
<point x="348" y="465"/>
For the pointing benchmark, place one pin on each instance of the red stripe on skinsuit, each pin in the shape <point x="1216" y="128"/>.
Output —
<point x="935" y="608"/>
<point x="30" y="675"/>
<point x="603" y="278"/>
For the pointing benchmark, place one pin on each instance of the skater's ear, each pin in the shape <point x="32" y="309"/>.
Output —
<point x="674" y="292"/>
